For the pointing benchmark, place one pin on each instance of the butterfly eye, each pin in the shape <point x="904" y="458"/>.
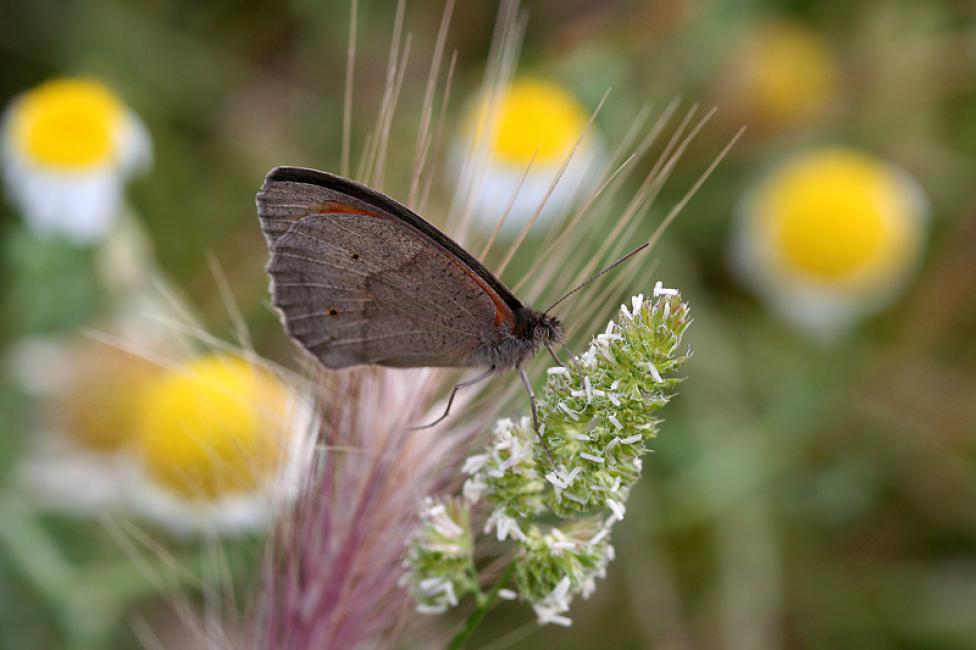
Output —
<point x="355" y="256"/>
<point x="333" y="312"/>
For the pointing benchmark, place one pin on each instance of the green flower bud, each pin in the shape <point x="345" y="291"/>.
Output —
<point x="552" y="567"/>
<point x="440" y="556"/>
<point x="598" y="414"/>
<point x="507" y="477"/>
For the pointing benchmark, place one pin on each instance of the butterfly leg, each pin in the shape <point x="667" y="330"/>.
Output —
<point x="572" y="359"/>
<point x="535" y="410"/>
<point x="450" y="400"/>
<point x="559" y="362"/>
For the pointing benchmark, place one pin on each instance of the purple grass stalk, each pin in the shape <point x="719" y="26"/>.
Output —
<point x="330" y="576"/>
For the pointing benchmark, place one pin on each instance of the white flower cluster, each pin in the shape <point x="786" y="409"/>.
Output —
<point x="596" y="416"/>
<point x="506" y="476"/>
<point x="572" y="559"/>
<point x="439" y="558"/>
<point x="599" y="412"/>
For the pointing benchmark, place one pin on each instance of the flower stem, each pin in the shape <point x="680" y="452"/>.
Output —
<point x="484" y="604"/>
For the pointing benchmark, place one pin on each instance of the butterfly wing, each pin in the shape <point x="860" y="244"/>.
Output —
<point x="357" y="283"/>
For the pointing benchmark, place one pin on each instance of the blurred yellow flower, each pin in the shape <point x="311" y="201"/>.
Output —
<point x="212" y="428"/>
<point x="68" y="123"/>
<point x="532" y="122"/>
<point x="830" y="235"/>
<point x="214" y="443"/>
<point x="220" y="444"/>
<point x="838" y="216"/>
<point x="534" y="118"/>
<point x="67" y="146"/>
<point x="784" y="74"/>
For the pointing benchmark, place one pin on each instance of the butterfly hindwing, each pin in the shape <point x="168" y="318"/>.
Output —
<point x="357" y="285"/>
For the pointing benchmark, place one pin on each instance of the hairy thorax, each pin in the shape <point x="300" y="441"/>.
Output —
<point x="514" y="346"/>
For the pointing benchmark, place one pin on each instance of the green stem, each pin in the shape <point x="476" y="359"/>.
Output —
<point x="87" y="601"/>
<point x="484" y="604"/>
<point x="45" y="568"/>
<point x="31" y="549"/>
<point x="479" y="596"/>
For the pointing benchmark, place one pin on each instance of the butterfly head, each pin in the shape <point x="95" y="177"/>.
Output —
<point x="546" y="330"/>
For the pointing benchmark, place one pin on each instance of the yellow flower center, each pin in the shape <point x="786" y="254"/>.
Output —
<point x="213" y="428"/>
<point x="790" y="72"/>
<point x="533" y="117"/>
<point x="68" y="123"/>
<point x="838" y="217"/>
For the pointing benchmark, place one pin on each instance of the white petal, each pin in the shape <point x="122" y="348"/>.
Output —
<point x="82" y="206"/>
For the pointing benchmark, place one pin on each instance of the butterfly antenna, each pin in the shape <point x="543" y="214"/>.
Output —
<point x="609" y="268"/>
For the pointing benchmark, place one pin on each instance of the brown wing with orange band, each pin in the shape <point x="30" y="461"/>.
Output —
<point x="357" y="284"/>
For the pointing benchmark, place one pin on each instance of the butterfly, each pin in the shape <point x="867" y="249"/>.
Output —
<point x="359" y="278"/>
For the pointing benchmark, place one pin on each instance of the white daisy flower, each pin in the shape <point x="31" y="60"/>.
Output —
<point x="67" y="147"/>
<point x="214" y="444"/>
<point x="532" y="126"/>
<point x="219" y="444"/>
<point x="830" y="236"/>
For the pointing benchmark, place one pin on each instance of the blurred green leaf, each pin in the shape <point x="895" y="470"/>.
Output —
<point x="52" y="285"/>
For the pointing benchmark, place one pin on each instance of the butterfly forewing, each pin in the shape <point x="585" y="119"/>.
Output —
<point x="357" y="284"/>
